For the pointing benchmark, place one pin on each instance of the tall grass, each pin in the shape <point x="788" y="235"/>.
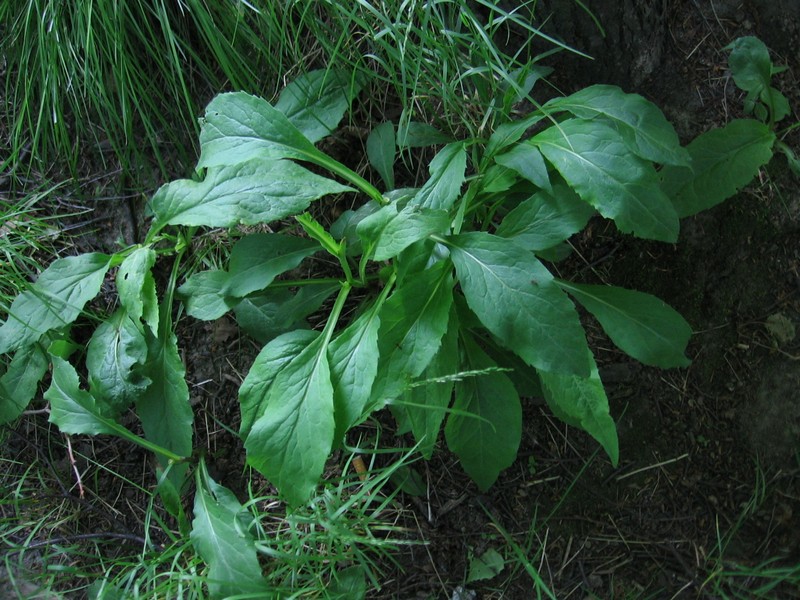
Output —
<point x="128" y="79"/>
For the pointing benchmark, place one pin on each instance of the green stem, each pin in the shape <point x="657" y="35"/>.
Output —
<point x="323" y="160"/>
<point x="335" y="312"/>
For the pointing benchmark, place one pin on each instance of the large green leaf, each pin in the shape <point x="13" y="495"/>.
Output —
<point x="273" y="357"/>
<point x="353" y="357"/>
<point x="526" y="160"/>
<point x="114" y="358"/>
<point x="275" y="311"/>
<point x="164" y="407"/>
<point x="392" y="230"/>
<point x="137" y="288"/>
<point x="255" y="262"/>
<point x="413" y="321"/>
<point x="640" y="123"/>
<point x="56" y="299"/>
<point x="221" y="540"/>
<point x="448" y="171"/>
<point x="582" y="402"/>
<point x="485" y="428"/>
<point x="238" y="127"/>
<point x="546" y="219"/>
<point x="316" y="101"/>
<point x="257" y="191"/>
<point x="425" y="404"/>
<point x="72" y="409"/>
<point x="290" y="442"/>
<point x="510" y="133"/>
<point x="515" y="298"/>
<point x="18" y="385"/>
<point x="723" y="161"/>
<point x="640" y="324"/>
<point x="381" y="150"/>
<point x="594" y="159"/>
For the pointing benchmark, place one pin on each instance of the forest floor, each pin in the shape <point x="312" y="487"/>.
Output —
<point x="709" y="474"/>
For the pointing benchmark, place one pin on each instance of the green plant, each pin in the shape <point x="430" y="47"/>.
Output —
<point x="454" y="314"/>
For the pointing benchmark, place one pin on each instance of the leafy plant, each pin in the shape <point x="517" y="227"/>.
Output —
<point x="455" y="312"/>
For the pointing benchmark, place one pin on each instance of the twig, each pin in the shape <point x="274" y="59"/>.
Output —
<point x="74" y="467"/>
<point x="655" y="466"/>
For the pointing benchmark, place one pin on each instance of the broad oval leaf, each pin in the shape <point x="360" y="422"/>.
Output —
<point x="724" y="160"/>
<point x="413" y="321"/>
<point x="226" y="547"/>
<point x="19" y="383"/>
<point x="268" y="314"/>
<point x="381" y="149"/>
<point x="257" y="191"/>
<point x="448" y="173"/>
<point x="269" y="362"/>
<point x="526" y="160"/>
<point x="316" y="101"/>
<point x="290" y="442"/>
<point x="515" y="298"/>
<point x="640" y="123"/>
<point x="640" y="324"/>
<point x="353" y="358"/>
<point x="72" y="409"/>
<point x="202" y="295"/>
<point x="56" y="299"/>
<point x="595" y="161"/>
<point x="114" y="357"/>
<point x="582" y="402"/>
<point x="137" y="288"/>
<point x="486" y="429"/>
<point x="546" y="219"/>
<point x="238" y="127"/>
<point x="163" y="406"/>
<point x="391" y="231"/>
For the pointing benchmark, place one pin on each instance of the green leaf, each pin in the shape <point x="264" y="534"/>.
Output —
<point x="486" y="431"/>
<point x="222" y="542"/>
<point x="413" y="321"/>
<point x="56" y="299"/>
<point x="114" y="357"/>
<point x="546" y="219"/>
<point x="348" y="584"/>
<point x="381" y="150"/>
<point x="510" y="133"/>
<point x="238" y="127"/>
<point x="164" y="407"/>
<point x="316" y="101"/>
<point x="269" y="362"/>
<point x="258" y="191"/>
<point x="426" y="405"/>
<point x="72" y="409"/>
<point x="582" y="402"/>
<point x="640" y="324"/>
<point x="392" y="230"/>
<point x="137" y="288"/>
<point x="414" y="134"/>
<point x="640" y="123"/>
<point x="515" y="298"/>
<point x="723" y="161"/>
<point x="486" y="566"/>
<point x="290" y="442"/>
<point x="257" y="259"/>
<point x="275" y="311"/>
<point x="353" y="358"/>
<point x="202" y="295"/>
<point x="448" y="172"/>
<point x="752" y="70"/>
<point x="526" y="160"/>
<point x="595" y="161"/>
<point x="19" y="383"/>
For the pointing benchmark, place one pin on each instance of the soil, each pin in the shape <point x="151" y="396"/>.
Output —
<point x="709" y="475"/>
